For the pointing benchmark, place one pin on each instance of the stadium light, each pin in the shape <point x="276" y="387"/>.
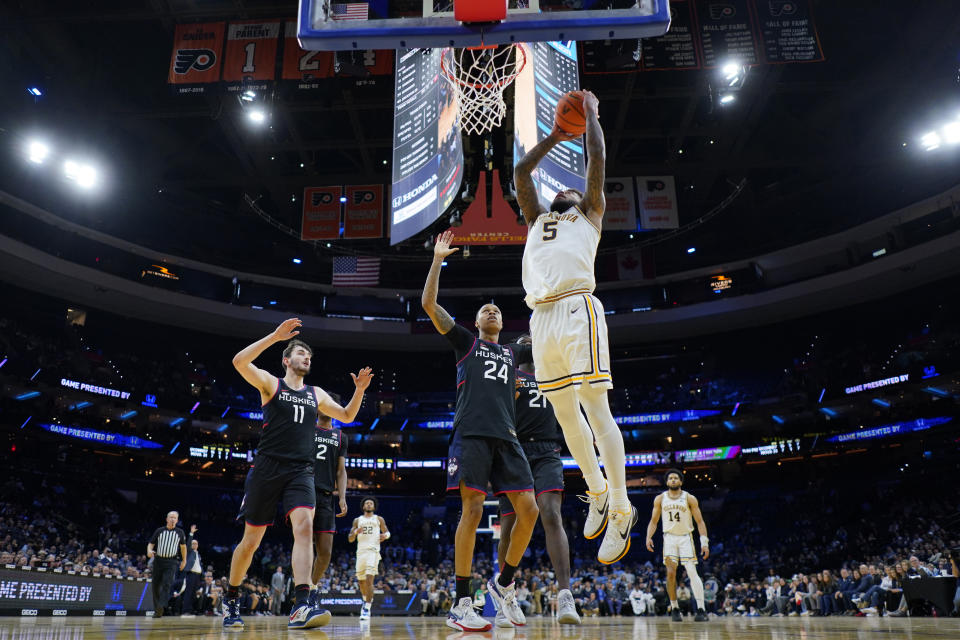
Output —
<point x="297" y="261"/>
<point x="34" y="91"/>
<point x="930" y="140"/>
<point x="248" y="96"/>
<point x="37" y="152"/>
<point x="731" y="70"/>
<point x="692" y="250"/>
<point x="951" y="132"/>
<point x="257" y="116"/>
<point x="83" y="174"/>
<point x="343" y="198"/>
<point x="727" y="98"/>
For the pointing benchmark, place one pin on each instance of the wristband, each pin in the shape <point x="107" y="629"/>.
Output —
<point x="704" y="541"/>
<point x="387" y="534"/>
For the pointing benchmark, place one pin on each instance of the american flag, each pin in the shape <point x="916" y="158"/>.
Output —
<point x="356" y="272"/>
<point x="349" y="11"/>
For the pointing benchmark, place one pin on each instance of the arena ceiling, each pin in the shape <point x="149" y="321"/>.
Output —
<point x="821" y="145"/>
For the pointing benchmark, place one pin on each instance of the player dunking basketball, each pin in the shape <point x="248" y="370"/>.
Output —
<point x="484" y="447"/>
<point x="679" y="510"/>
<point x="569" y="331"/>
<point x="329" y="475"/>
<point x="283" y="469"/>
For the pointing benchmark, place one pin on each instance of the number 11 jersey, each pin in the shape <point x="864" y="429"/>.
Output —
<point x="289" y="420"/>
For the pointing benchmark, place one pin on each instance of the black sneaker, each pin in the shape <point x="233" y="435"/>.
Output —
<point x="675" y="615"/>
<point x="701" y="616"/>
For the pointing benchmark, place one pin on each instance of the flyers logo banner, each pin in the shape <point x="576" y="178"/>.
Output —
<point x="199" y="59"/>
<point x="196" y="58"/>
<point x="363" y="212"/>
<point x="621" y="211"/>
<point x="321" y="213"/>
<point x="658" y="202"/>
<point x="250" y="59"/>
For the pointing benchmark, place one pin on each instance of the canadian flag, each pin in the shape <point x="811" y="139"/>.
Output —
<point x="636" y="264"/>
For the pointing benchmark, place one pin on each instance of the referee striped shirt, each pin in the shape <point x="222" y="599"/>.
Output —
<point x="166" y="542"/>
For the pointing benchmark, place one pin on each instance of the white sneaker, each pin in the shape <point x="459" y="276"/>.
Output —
<point x="462" y="617"/>
<point x="567" y="608"/>
<point x="505" y="599"/>
<point x="616" y="542"/>
<point x="365" y="611"/>
<point x="596" y="513"/>
<point x="502" y="621"/>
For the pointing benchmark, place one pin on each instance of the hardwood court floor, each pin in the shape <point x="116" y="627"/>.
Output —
<point x="395" y="628"/>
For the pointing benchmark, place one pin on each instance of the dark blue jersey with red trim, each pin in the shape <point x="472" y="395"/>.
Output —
<point x="331" y="446"/>
<point x="535" y="419"/>
<point x="289" y="420"/>
<point x="486" y="384"/>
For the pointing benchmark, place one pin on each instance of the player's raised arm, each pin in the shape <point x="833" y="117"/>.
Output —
<point x="654" y="519"/>
<point x="694" y="506"/>
<point x="441" y="319"/>
<point x="522" y="174"/>
<point x="361" y="380"/>
<point x="594" y="202"/>
<point x="243" y="361"/>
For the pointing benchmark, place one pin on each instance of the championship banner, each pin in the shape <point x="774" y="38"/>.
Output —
<point x="788" y="32"/>
<point x="196" y="58"/>
<point x="621" y="211"/>
<point x="500" y="227"/>
<point x="363" y="212"/>
<point x="307" y="68"/>
<point x="251" y="57"/>
<point x="321" y="213"/>
<point x="658" y="202"/>
<point x="726" y="32"/>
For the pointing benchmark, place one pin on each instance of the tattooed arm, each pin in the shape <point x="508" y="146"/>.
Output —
<point x="594" y="202"/>
<point x="526" y="191"/>
<point x="441" y="319"/>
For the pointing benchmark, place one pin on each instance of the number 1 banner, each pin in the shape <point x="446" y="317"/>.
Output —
<point x="251" y="56"/>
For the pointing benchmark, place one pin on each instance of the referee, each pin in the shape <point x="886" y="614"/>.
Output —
<point x="165" y="545"/>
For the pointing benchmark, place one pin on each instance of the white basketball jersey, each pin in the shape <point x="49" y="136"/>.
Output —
<point x="369" y="537"/>
<point x="559" y="255"/>
<point x="676" y="514"/>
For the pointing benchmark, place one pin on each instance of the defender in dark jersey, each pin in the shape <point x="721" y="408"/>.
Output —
<point x="484" y="446"/>
<point x="283" y="467"/>
<point x="329" y="476"/>
<point x="540" y="437"/>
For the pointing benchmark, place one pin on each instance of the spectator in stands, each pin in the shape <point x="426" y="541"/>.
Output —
<point x="845" y="587"/>
<point x="684" y="597"/>
<point x="277" y="588"/>
<point x="591" y="606"/>
<point x="710" y="588"/>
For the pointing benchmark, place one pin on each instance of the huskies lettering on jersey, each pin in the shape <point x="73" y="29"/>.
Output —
<point x="198" y="59"/>
<point x="286" y="396"/>
<point x="484" y="351"/>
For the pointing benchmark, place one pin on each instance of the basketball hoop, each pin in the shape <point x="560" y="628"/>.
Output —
<point x="479" y="76"/>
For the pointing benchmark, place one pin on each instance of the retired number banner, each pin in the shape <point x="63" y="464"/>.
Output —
<point x="251" y="57"/>
<point x="363" y="212"/>
<point x="321" y="213"/>
<point x="196" y="59"/>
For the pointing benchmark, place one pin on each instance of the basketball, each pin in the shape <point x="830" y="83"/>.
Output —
<point x="570" y="116"/>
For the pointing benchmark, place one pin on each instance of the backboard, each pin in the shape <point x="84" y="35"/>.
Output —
<point x="329" y="25"/>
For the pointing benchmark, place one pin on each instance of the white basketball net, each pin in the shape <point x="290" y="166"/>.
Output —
<point x="479" y="77"/>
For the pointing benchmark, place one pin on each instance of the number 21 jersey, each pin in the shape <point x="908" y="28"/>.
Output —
<point x="289" y="420"/>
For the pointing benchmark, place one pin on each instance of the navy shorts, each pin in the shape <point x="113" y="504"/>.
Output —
<point x="547" y="469"/>
<point x="270" y="481"/>
<point x="325" y="517"/>
<point x="478" y="462"/>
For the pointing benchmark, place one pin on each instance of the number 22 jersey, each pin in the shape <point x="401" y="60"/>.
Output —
<point x="486" y="385"/>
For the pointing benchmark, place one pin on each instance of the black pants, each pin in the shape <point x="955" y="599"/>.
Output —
<point x="190" y="599"/>
<point x="164" y="571"/>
